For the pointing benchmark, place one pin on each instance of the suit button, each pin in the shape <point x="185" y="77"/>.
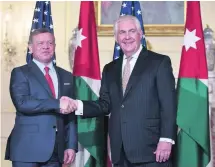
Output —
<point x="122" y="106"/>
<point x="54" y="127"/>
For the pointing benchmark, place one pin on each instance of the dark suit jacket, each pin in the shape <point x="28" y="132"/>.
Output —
<point x="37" y="116"/>
<point x="145" y="113"/>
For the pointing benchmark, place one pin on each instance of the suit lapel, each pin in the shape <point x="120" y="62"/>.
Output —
<point x="34" y="69"/>
<point x="118" y="75"/>
<point x="139" y="67"/>
<point x="59" y="79"/>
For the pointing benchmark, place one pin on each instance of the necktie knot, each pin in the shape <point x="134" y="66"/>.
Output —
<point x="129" y="59"/>
<point x="46" y="70"/>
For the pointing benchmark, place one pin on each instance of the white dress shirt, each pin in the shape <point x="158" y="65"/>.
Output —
<point x="132" y="61"/>
<point x="52" y="74"/>
<point x="79" y="111"/>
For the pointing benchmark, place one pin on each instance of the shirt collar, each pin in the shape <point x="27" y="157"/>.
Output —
<point x="42" y="66"/>
<point x="135" y="55"/>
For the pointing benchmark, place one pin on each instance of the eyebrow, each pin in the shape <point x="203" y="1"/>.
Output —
<point x="45" y="41"/>
<point x="133" y="29"/>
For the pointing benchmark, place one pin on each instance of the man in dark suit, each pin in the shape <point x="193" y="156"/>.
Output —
<point x="138" y="90"/>
<point x="43" y="136"/>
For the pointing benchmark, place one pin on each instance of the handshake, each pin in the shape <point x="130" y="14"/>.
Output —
<point x="68" y="105"/>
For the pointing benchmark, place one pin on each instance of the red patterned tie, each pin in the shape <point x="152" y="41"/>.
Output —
<point x="49" y="80"/>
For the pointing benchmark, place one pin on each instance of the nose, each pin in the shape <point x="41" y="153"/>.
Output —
<point x="127" y="35"/>
<point x="45" y="46"/>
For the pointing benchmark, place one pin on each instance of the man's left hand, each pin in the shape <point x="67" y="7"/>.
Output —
<point x="163" y="151"/>
<point x="69" y="156"/>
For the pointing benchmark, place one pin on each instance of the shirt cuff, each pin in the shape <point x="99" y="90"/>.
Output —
<point x="167" y="140"/>
<point x="79" y="110"/>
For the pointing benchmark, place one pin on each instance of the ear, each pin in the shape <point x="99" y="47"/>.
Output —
<point x="30" y="48"/>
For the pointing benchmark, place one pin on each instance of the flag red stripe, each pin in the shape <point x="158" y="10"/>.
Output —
<point x="88" y="54"/>
<point x="193" y="61"/>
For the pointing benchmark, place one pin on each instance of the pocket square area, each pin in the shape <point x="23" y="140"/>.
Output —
<point x="66" y="83"/>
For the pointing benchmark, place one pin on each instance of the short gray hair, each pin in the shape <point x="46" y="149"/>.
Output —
<point x="126" y="17"/>
<point x="39" y="31"/>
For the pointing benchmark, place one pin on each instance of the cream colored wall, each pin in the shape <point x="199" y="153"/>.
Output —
<point x="65" y="18"/>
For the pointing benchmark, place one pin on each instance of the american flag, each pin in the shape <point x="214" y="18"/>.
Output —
<point x="42" y="19"/>
<point x="130" y="8"/>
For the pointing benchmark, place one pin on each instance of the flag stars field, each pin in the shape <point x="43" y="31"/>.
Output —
<point x="46" y="13"/>
<point x="35" y="20"/>
<point x="51" y="26"/>
<point x="37" y="9"/>
<point x="139" y="12"/>
<point x="124" y="5"/>
<point x="118" y="47"/>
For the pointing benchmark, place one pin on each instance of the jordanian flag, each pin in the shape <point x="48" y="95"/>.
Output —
<point x="87" y="81"/>
<point x="193" y="140"/>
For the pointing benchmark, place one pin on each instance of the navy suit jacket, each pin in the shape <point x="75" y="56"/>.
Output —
<point x="38" y="115"/>
<point x="145" y="113"/>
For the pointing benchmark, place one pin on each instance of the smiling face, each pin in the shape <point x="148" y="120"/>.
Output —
<point x="43" y="47"/>
<point x="128" y="36"/>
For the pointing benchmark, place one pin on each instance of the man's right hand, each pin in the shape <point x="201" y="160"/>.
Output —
<point x="67" y="105"/>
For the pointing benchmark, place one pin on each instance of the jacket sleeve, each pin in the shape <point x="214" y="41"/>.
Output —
<point x="101" y="106"/>
<point x="71" y="125"/>
<point x="22" y="99"/>
<point x="167" y="99"/>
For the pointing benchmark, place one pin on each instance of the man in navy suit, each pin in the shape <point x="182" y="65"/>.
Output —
<point x="138" y="91"/>
<point x="43" y="134"/>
